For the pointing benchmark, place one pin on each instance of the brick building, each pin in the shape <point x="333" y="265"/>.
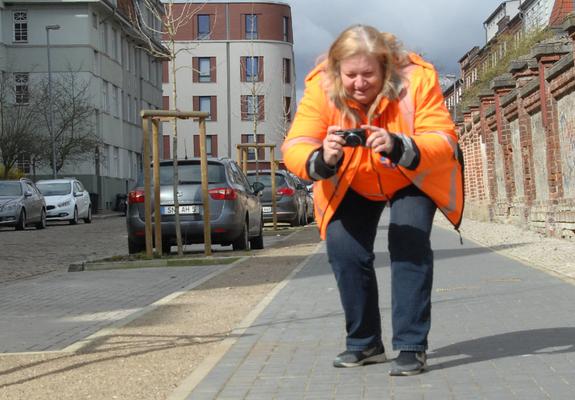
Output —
<point x="236" y="62"/>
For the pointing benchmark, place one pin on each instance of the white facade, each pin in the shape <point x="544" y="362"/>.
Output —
<point x="99" y="45"/>
<point x="230" y="127"/>
<point x="536" y="14"/>
<point x="509" y="9"/>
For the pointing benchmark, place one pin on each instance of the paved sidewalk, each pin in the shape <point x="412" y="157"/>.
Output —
<point x="59" y="311"/>
<point x="501" y="330"/>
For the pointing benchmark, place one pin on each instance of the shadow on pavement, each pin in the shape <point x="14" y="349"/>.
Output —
<point x="511" y="344"/>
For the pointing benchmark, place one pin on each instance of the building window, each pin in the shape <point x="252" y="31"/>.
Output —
<point x="22" y="90"/>
<point x="287" y="70"/>
<point x="114" y="44"/>
<point x="206" y="104"/>
<point x="20" y="26"/>
<point x="94" y="21"/>
<point x="252" y="107"/>
<point x="287" y="109"/>
<point x="211" y="145"/>
<point x="204" y="68"/>
<point x="251" y="26"/>
<point x="252" y="69"/>
<point x="249" y="138"/>
<point x="104" y="38"/>
<point x="286" y="29"/>
<point x="203" y="26"/>
<point x="105" y="98"/>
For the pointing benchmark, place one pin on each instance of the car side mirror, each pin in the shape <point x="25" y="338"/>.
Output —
<point x="27" y="193"/>
<point x="78" y="194"/>
<point x="258" y="187"/>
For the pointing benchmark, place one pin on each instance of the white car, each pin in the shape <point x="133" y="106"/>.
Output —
<point x="66" y="200"/>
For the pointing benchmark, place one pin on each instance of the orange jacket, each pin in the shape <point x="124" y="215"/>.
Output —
<point x="419" y="113"/>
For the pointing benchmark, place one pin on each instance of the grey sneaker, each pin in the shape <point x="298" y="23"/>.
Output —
<point x="409" y="363"/>
<point x="350" y="358"/>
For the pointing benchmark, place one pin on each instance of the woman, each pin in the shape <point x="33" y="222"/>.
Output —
<point x="409" y="160"/>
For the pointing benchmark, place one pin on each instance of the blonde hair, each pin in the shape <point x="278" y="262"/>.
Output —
<point x="364" y="40"/>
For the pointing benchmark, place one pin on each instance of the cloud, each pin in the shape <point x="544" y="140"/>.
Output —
<point x="442" y="30"/>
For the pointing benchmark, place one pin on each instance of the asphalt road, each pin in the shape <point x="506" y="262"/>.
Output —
<point x="33" y="252"/>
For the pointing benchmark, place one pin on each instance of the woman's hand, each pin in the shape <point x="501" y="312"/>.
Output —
<point x="332" y="146"/>
<point x="379" y="139"/>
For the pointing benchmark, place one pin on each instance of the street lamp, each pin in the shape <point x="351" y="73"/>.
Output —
<point x="454" y="94"/>
<point x="50" y="114"/>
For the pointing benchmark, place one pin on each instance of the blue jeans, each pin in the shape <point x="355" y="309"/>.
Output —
<point x="350" y="239"/>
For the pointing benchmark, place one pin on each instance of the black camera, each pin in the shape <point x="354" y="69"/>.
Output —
<point x="353" y="137"/>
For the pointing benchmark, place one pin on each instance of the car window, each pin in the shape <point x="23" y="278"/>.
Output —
<point x="188" y="174"/>
<point x="239" y="177"/>
<point x="30" y="188"/>
<point x="10" y="189"/>
<point x="78" y="187"/>
<point x="266" y="179"/>
<point x="54" y="189"/>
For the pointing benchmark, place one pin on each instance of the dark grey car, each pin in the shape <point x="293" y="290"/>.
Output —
<point x="291" y="203"/>
<point x="21" y="204"/>
<point x="235" y="208"/>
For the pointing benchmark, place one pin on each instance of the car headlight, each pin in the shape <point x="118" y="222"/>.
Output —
<point x="64" y="203"/>
<point x="9" y="207"/>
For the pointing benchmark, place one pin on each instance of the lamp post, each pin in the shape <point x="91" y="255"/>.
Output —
<point x="454" y="94"/>
<point x="50" y="114"/>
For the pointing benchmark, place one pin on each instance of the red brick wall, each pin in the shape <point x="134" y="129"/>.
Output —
<point x="535" y="92"/>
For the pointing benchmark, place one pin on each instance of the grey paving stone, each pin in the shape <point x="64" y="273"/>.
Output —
<point x="501" y="330"/>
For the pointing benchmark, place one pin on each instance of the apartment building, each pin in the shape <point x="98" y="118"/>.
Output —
<point x="236" y="62"/>
<point x="99" y="42"/>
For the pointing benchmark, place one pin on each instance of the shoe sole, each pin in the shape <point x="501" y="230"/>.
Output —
<point x="409" y="373"/>
<point x="378" y="358"/>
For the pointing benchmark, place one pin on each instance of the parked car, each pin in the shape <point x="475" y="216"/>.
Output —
<point x="308" y="187"/>
<point x="21" y="204"/>
<point x="66" y="200"/>
<point x="235" y="207"/>
<point x="291" y="203"/>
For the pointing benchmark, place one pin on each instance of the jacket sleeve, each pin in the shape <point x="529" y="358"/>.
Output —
<point x="434" y="131"/>
<point x="308" y="128"/>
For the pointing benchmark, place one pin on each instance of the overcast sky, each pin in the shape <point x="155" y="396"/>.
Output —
<point x="442" y="30"/>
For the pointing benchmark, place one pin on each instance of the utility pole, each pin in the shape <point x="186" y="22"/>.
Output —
<point x="50" y="113"/>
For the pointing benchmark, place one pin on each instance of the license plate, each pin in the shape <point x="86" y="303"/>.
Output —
<point x="171" y="210"/>
<point x="266" y="209"/>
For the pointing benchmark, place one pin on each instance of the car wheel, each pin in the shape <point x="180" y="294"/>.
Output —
<point x="88" y="218"/>
<point x="42" y="223"/>
<point x="74" y="219"/>
<point x="241" y="243"/>
<point x="296" y="221"/>
<point x="304" y="218"/>
<point x="21" y="223"/>
<point x="257" y="243"/>
<point x="136" y="247"/>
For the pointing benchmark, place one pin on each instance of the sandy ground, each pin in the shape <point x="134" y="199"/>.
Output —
<point x="151" y="356"/>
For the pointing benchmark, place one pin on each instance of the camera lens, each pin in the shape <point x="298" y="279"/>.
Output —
<point x="353" y="140"/>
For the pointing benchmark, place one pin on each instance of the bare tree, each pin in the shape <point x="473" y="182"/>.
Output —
<point x="19" y="124"/>
<point x="73" y="128"/>
<point x="173" y="19"/>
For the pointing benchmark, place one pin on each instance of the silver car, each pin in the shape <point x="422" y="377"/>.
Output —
<point x="21" y="204"/>
<point x="235" y="208"/>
